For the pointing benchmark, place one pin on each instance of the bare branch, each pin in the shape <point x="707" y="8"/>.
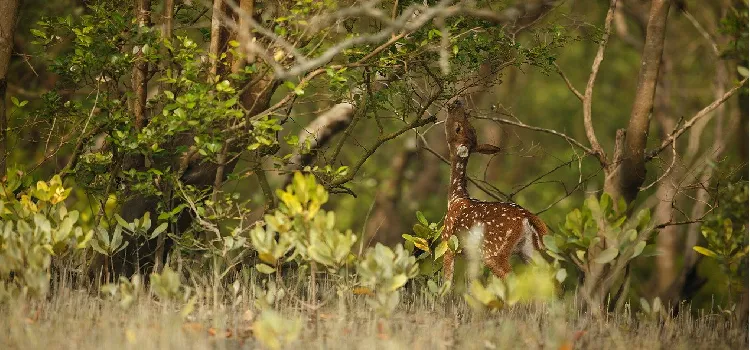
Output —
<point x="568" y="83"/>
<point x="701" y="114"/>
<point x="589" y="92"/>
<point x="666" y="172"/>
<point x="411" y="19"/>
<point x="416" y="123"/>
<point x="474" y="181"/>
<point x="317" y="134"/>
<point x="711" y="42"/>
<point x="548" y="131"/>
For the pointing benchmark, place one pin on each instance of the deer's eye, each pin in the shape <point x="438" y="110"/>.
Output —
<point x="458" y="129"/>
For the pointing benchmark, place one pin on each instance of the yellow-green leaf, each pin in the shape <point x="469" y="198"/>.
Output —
<point x="705" y="251"/>
<point x="265" y="269"/>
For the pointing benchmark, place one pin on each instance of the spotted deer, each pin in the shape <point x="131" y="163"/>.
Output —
<point x="508" y="228"/>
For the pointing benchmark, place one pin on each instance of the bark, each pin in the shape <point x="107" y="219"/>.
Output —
<point x="630" y="174"/>
<point x="318" y="133"/>
<point x="140" y="68"/>
<point x="219" y="36"/>
<point x="167" y="28"/>
<point x="8" y="19"/>
<point x="244" y="32"/>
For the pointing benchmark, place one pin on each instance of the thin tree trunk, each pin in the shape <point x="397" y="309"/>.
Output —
<point x="666" y="241"/>
<point x="386" y="223"/>
<point x="244" y="33"/>
<point x="140" y="69"/>
<point x="219" y="36"/>
<point x="8" y="14"/>
<point x="630" y="174"/>
<point x="167" y="28"/>
<point x="702" y="197"/>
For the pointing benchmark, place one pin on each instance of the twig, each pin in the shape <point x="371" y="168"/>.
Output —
<point x="702" y="31"/>
<point x="549" y="131"/>
<point x="567" y="82"/>
<point x="471" y="179"/>
<point x="666" y="172"/>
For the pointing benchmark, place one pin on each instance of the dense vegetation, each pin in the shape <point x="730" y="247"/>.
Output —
<point x="188" y="173"/>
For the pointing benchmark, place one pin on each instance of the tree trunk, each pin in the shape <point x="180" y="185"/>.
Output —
<point x="8" y="14"/>
<point x="386" y="222"/>
<point x="666" y="241"/>
<point x="626" y="178"/>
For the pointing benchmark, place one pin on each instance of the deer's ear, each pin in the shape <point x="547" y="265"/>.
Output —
<point x="486" y="149"/>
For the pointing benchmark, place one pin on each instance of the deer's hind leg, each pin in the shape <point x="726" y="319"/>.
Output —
<point x="448" y="264"/>
<point x="499" y="265"/>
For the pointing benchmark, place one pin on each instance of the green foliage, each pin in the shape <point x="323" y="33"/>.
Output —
<point x="385" y="271"/>
<point x="274" y="331"/>
<point x="532" y="283"/>
<point x="426" y="245"/>
<point x="33" y="230"/>
<point x="166" y="285"/>
<point x="726" y="234"/>
<point x="126" y="292"/>
<point x="599" y="232"/>
<point x="300" y="226"/>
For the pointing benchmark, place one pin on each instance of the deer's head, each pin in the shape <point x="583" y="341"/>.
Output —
<point x="460" y="134"/>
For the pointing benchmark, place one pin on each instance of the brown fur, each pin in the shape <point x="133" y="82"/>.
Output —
<point x="508" y="228"/>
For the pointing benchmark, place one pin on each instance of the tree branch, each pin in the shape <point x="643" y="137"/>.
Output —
<point x="535" y="128"/>
<point x="702" y="113"/>
<point x="567" y="82"/>
<point x="418" y="122"/>
<point x="317" y="134"/>
<point x="588" y="94"/>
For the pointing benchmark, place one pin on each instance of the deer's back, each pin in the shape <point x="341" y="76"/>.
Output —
<point x="505" y="224"/>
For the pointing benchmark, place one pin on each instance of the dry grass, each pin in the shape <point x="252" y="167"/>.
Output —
<point x="78" y="320"/>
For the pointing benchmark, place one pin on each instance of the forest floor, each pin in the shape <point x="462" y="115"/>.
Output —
<point x="77" y="319"/>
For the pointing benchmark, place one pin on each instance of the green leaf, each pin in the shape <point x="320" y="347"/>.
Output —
<point x="604" y="202"/>
<point x="422" y="231"/>
<point x="742" y="70"/>
<point x="121" y="221"/>
<point x="441" y="248"/>
<point x="453" y="243"/>
<point x="638" y="249"/>
<point x="422" y="244"/>
<point x="644" y="218"/>
<point x="581" y="254"/>
<point x="550" y="243"/>
<point x="422" y="219"/>
<point x="561" y="275"/>
<point x="607" y="255"/>
<point x="264" y="269"/>
<point x="159" y="229"/>
<point x="397" y="282"/>
<point x="705" y="251"/>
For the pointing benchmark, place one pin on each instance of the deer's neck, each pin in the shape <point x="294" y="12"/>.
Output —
<point x="457" y="188"/>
